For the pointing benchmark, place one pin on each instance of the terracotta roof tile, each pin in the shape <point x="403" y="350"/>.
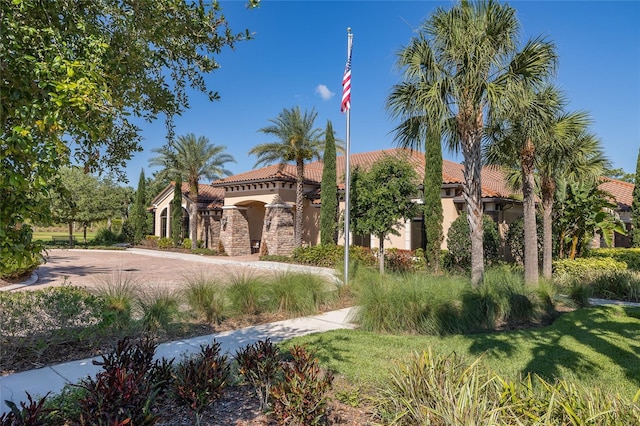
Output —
<point x="621" y="191"/>
<point x="207" y="194"/>
<point x="274" y="171"/>
<point x="493" y="182"/>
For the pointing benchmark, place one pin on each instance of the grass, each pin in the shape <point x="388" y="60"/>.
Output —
<point x="46" y="235"/>
<point x="446" y="304"/>
<point x="595" y="347"/>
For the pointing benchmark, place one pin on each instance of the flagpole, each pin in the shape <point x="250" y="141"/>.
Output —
<point x="347" y="185"/>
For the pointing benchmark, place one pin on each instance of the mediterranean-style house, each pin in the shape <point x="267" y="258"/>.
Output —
<point x="254" y="211"/>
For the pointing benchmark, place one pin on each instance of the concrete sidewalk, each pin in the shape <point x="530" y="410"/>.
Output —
<point x="53" y="378"/>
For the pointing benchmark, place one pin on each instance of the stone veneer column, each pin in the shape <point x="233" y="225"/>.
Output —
<point x="234" y="234"/>
<point x="278" y="229"/>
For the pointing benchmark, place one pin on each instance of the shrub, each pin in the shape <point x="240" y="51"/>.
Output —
<point x="630" y="256"/>
<point x="585" y="267"/>
<point x="515" y="240"/>
<point x="150" y="241"/>
<point x="159" y="306"/>
<point x="205" y="251"/>
<point x="619" y="285"/>
<point x="301" y="397"/>
<point x="186" y="243"/>
<point x="128" y="233"/>
<point x="125" y="391"/>
<point x="200" y="380"/>
<point x="399" y="260"/>
<point x="436" y="389"/>
<point x="105" y="236"/>
<point x="440" y="305"/>
<point x="276" y="258"/>
<point x="320" y="255"/>
<point x="247" y="294"/>
<point x="459" y="242"/>
<point x="63" y="407"/>
<point x="331" y="255"/>
<point x="206" y="297"/>
<point x="32" y="413"/>
<point x="119" y="293"/>
<point x="297" y="293"/>
<point x="58" y="310"/>
<point x="441" y="390"/>
<point x="11" y="269"/>
<point x="165" y="243"/>
<point x="259" y="364"/>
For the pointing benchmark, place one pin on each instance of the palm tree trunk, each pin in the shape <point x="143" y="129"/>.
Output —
<point x="299" y="202"/>
<point x="472" y="193"/>
<point x="193" y="214"/>
<point x="548" y="190"/>
<point x="527" y="158"/>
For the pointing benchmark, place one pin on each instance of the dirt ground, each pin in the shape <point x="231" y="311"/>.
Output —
<point x="91" y="268"/>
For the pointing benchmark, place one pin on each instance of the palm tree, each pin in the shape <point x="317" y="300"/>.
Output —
<point x="193" y="159"/>
<point x="298" y="141"/>
<point x="461" y="68"/>
<point x="516" y="137"/>
<point x="572" y="155"/>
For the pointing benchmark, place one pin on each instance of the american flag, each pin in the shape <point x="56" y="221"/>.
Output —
<point x="346" y="85"/>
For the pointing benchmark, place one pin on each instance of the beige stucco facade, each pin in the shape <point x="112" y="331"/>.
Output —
<point x="254" y="212"/>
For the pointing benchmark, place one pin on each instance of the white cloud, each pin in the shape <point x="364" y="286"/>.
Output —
<point x="324" y="92"/>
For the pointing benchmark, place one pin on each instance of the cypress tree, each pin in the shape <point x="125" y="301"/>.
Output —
<point x="433" y="215"/>
<point x="329" y="190"/>
<point x="140" y="211"/>
<point x="176" y="213"/>
<point x="635" y="208"/>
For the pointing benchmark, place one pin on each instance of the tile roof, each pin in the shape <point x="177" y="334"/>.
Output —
<point x="621" y="191"/>
<point x="207" y="195"/>
<point x="493" y="182"/>
<point x="312" y="174"/>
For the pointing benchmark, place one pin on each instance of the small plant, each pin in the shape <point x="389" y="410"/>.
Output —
<point x="119" y="293"/>
<point x="298" y="293"/>
<point x="32" y="413"/>
<point x="259" y="364"/>
<point x="125" y="391"/>
<point x="442" y="390"/>
<point x="159" y="308"/>
<point x="150" y="241"/>
<point x="206" y="297"/>
<point x="200" y="380"/>
<point x="186" y="243"/>
<point x="301" y="397"/>
<point x="64" y="406"/>
<point x="247" y="294"/>
<point x="165" y="243"/>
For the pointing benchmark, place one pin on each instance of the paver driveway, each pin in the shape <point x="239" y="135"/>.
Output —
<point x="149" y="267"/>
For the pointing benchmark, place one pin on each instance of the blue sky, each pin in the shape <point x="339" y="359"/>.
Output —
<point x="298" y="55"/>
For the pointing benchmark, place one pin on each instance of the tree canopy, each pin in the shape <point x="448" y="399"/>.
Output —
<point x="329" y="190"/>
<point x="463" y="66"/>
<point x="298" y="141"/>
<point x="381" y="197"/>
<point x="73" y="75"/>
<point x="192" y="158"/>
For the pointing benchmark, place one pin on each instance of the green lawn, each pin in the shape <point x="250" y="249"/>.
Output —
<point x="597" y="346"/>
<point x="46" y="236"/>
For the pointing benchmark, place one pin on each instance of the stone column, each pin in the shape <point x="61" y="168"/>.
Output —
<point x="234" y="232"/>
<point x="278" y="230"/>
